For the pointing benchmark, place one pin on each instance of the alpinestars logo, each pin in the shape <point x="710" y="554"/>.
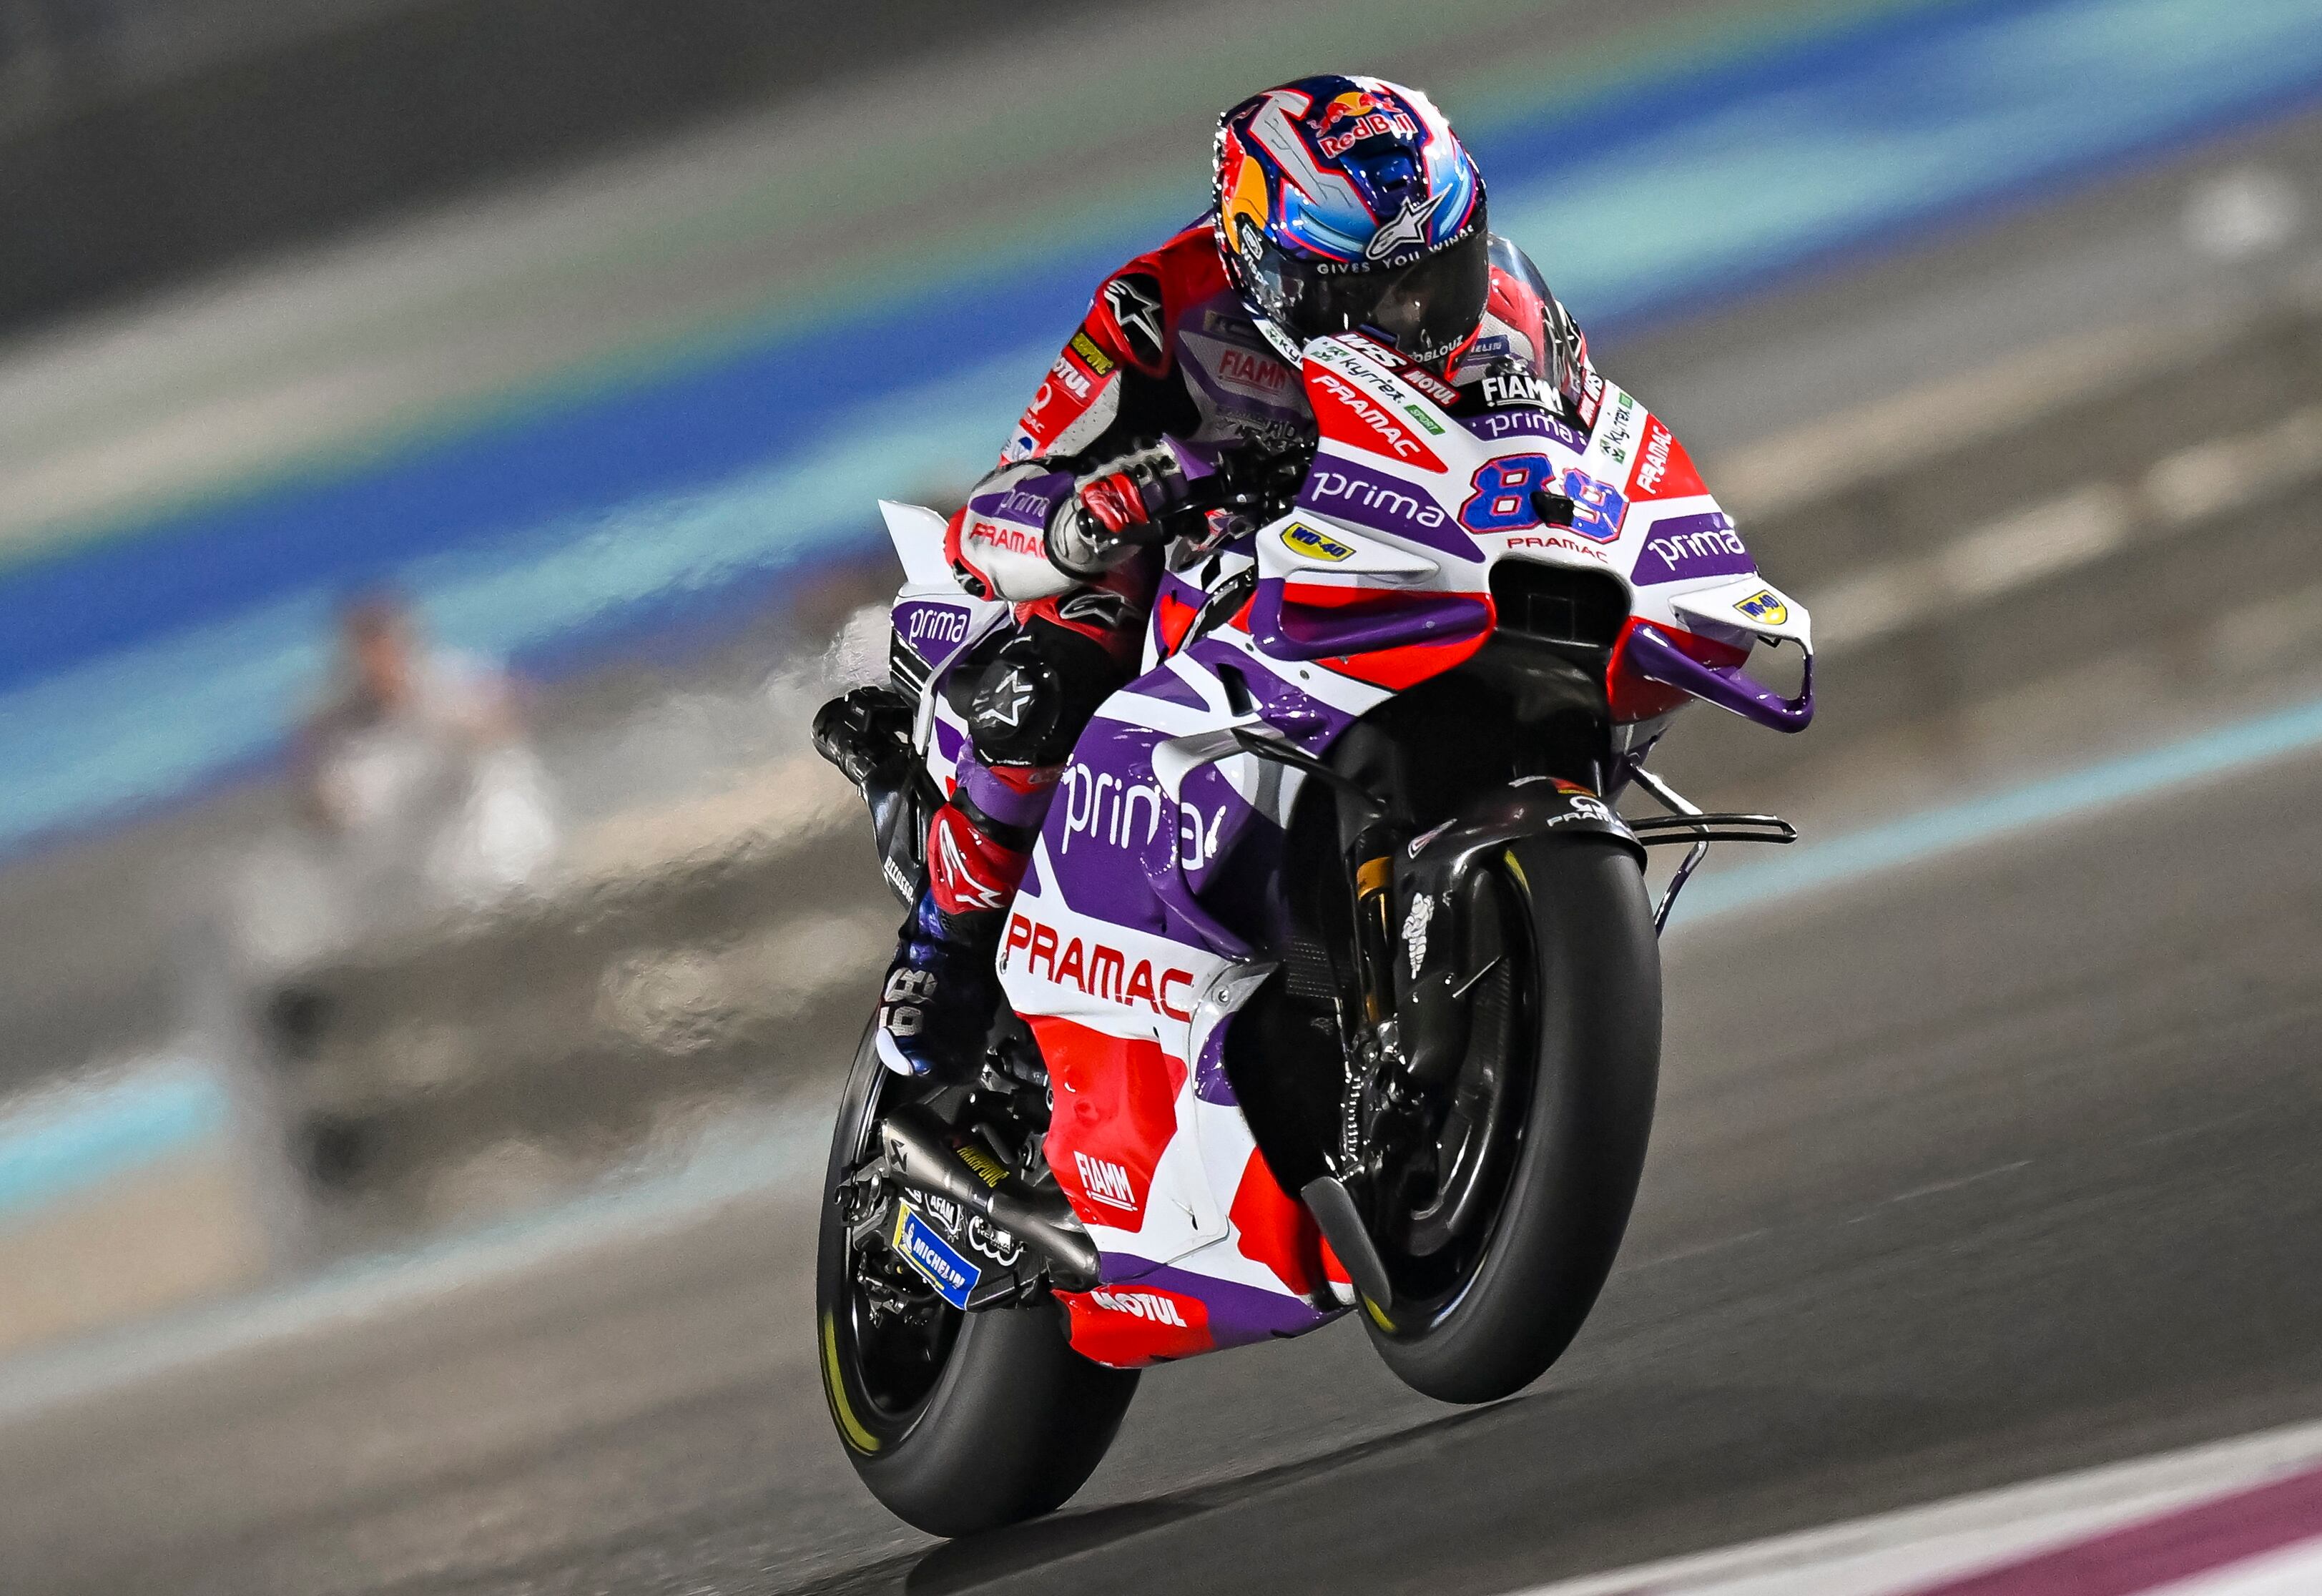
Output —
<point x="1408" y="230"/>
<point x="1135" y="301"/>
<point x="960" y="877"/>
<point x="1105" y="1182"/>
<point x="1144" y="1304"/>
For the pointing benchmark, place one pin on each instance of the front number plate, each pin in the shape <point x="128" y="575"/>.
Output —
<point x="951" y="1276"/>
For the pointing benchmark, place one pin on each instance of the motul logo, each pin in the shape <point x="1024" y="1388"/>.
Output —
<point x="1144" y="1305"/>
<point x="1104" y="1181"/>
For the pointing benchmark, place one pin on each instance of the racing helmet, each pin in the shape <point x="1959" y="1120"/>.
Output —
<point x="1346" y="204"/>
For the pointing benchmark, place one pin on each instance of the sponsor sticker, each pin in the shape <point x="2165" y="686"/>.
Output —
<point x="1619" y="432"/>
<point x="1086" y="347"/>
<point x="1763" y="606"/>
<point x="1422" y="418"/>
<point x="1144" y="1305"/>
<point x="951" y="1276"/>
<point x="1094" y="969"/>
<point x="1301" y="539"/>
<point x="1105" y="1182"/>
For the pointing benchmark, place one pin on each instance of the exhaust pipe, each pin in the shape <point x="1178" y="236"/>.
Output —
<point x="920" y="1157"/>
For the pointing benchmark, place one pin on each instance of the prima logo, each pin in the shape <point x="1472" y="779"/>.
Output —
<point x="1383" y="501"/>
<point x="1196" y="847"/>
<point x="936" y="624"/>
<point x="1105" y="1182"/>
<point x="1150" y="1306"/>
<point x="1100" y="805"/>
<point x="1674" y="548"/>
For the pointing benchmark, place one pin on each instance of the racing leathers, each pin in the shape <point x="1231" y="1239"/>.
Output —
<point x="1167" y="371"/>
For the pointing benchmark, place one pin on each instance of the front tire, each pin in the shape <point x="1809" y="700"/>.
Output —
<point x="976" y="1421"/>
<point x="1585" y="1028"/>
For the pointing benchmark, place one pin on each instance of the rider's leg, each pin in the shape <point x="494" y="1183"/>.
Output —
<point x="1040" y="689"/>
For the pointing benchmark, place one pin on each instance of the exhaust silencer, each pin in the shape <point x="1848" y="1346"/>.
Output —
<point x="918" y="1157"/>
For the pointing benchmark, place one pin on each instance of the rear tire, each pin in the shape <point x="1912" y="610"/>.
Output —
<point x="1012" y="1422"/>
<point x="1592" y="1023"/>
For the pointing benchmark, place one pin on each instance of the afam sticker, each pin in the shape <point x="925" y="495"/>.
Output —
<point x="1764" y="607"/>
<point x="1301" y="539"/>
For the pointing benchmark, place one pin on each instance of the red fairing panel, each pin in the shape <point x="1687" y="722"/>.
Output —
<point x="1116" y="1110"/>
<point x="1273" y="1229"/>
<point x="1130" y="1326"/>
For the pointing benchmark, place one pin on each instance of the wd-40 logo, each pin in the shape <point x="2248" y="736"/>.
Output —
<point x="1764" y="606"/>
<point x="1301" y="539"/>
<point x="1144" y="1304"/>
<point x="1105" y="1182"/>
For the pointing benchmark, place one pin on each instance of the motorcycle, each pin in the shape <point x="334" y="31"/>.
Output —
<point x="1333" y="985"/>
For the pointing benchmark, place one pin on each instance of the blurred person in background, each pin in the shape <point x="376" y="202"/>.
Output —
<point x="416" y="770"/>
<point x="1341" y="205"/>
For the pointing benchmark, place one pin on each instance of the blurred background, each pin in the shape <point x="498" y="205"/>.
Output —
<point x="438" y="441"/>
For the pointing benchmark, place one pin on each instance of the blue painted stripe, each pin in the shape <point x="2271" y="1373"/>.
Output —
<point x="80" y="1139"/>
<point x="140" y="669"/>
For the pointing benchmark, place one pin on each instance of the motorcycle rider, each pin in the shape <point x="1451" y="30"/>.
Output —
<point x="1343" y="205"/>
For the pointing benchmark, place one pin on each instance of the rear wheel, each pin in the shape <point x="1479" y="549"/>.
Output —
<point x="957" y="1422"/>
<point x="1514" y="1200"/>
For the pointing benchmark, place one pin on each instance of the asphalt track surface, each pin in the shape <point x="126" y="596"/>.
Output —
<point x="1994" y="1166"/>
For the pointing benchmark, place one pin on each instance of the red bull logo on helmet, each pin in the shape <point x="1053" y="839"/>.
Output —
<point x="1367" y="115"/>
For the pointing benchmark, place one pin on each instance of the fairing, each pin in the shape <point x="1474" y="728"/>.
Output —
<point x="1138" y="936"/>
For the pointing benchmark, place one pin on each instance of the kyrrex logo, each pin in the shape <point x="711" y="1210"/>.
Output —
<point x="1104" y="1181"/>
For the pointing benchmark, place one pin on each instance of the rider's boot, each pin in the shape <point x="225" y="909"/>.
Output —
<point x="936" y="1006"/>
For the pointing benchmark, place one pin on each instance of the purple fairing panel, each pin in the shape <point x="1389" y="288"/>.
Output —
<point x="1110" y="828"/>
<point x="1658" y="659"/>
<point x="1348" y="490"/>
<point x="932" y="628"/>
<point x="1688" y="546"/>
<point x="1303" y="632"/>
<point x="1027" y="502"/>
<point x="1492" y="426"/>
<point x="1238" y="1314"/>
<point x="949" y="741"/>
<point x="1169" y="688"/>
<point x="1209" y="1082"/>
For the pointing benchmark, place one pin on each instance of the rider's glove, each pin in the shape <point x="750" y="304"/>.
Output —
<point x="1114" y="510"/>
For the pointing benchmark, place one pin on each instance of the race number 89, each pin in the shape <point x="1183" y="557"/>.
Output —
<point x="1503" y="489"/>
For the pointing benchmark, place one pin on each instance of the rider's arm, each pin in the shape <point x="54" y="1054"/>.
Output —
<point x="1086" y="467"/>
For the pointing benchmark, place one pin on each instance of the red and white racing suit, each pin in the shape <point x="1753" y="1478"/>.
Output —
<point x="1165" y="352"/>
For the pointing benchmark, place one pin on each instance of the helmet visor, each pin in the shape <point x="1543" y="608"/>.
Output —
<point x="1426" y="309"/>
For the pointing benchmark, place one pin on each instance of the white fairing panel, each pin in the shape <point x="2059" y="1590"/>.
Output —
<point x="918" y="533"/>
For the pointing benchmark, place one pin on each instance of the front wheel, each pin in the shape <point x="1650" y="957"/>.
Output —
<point x="1543" y="1136"/>
<point x="957" y="1422"/>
